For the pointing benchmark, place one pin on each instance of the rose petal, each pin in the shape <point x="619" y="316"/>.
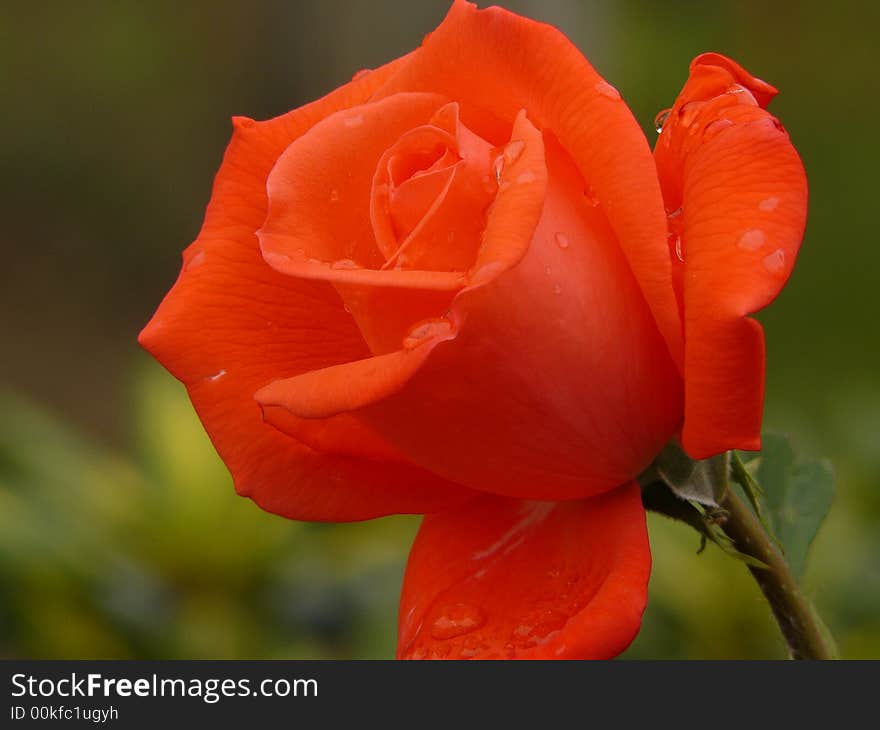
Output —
<point x="231" y="324"/>
<point x="319" y="189"/>
<point x="550" y="380"/>
<point x="501" y="579"/>
<point x="558" y="385"/>
<point x="742" y="190"/>
<point x="495" y="63"/>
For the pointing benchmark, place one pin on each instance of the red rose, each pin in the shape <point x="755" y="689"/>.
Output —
<point x="451" y="287"/>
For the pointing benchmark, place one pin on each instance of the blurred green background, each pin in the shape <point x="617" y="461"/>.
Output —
<point x="120" y="533"/>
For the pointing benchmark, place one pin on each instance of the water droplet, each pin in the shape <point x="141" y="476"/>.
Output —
<point x="557" y="289"/>
<point x="457" y="620"/>
<point x="547" y="270"/>
<point x="607" y="90"/>
<point x="526" y="177"/>
<point x="768" y="204"/>
<point x="591" y="196"/>
<point x="562" y="240"/>
<point x="427" y="330"/>
<point x="660" y="119"/>
<point x="354" y="121"/>
<point x="197" y="260"/>
<point x="715" y="127"/>
<point x="498" y="168"/>
<point x="216" y="376"/>
<point x="334" y="195"/>
<point x="677" y="246"/>
<point x="541" y="626"/>
<point x="775" y="262"/>
<point x="675" y="222"/>
<point x="514" y="150"/>
<point x="344" y="264"/>
<point x="751" y="240"/>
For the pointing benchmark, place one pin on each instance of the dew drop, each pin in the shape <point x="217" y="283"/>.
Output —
<point x="562" y="240"/>
<point x="513" y="151"/>
<point x="591" y="196"/>
<point x="775" y="262"/>
<point x="751" y="240"/>
<point x="768" y="204"/>
<point x="715" y="127"/>
<point x="354" y="121"/>
<point x="216" y="376"/>
<point x="540" y="627"/>
<point x="526" y="177"/>
<point x="344" y="264"/>
<point x="660" y="119"/>
<point x="426" y="330"/>
<point x="547" y="270"/>
<point x="557" y="289"/>
<point x="197" y="260"/>
<point x="334" y="196"/>
<point x="607" y="90"/>
<point x="675" y="223"/>
<point x="677" y="246"/>
<point x="457" y="620"/>
<point x="498" y="168"/>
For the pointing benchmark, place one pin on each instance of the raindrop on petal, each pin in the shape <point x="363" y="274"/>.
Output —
<point x="457" y="620"/>
<point x="751" y="240"/>
<point x="775" y="262"/>
<point x="562" y="240"/>
<point x="607" y="90"/>
<point x="660" y="119"/>
<point x="344" y="264"/>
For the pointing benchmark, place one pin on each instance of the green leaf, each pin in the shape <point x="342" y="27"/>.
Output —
<point x="796" y="497"/>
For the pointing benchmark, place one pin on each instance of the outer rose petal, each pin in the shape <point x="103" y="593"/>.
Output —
<point x="495" y="63"/>
<point x="501" y="579"/>
<point x="231" y="324"/>
<point x="741" y="188"/>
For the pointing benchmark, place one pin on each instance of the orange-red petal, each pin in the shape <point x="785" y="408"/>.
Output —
<point x="495" y="63"/>
<point x="501" y="579"/>
<point x="558" y="384"/>
<point x="231" y="324"/>
<point x="742" y="192"/>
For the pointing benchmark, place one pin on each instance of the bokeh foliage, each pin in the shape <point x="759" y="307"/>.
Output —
<point x="120" y="534"/>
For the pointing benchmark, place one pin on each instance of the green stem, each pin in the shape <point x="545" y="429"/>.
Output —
<point x="801" y="627"/>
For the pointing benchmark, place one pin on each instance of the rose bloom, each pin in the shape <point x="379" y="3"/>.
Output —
<point x="462" y="286"/>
